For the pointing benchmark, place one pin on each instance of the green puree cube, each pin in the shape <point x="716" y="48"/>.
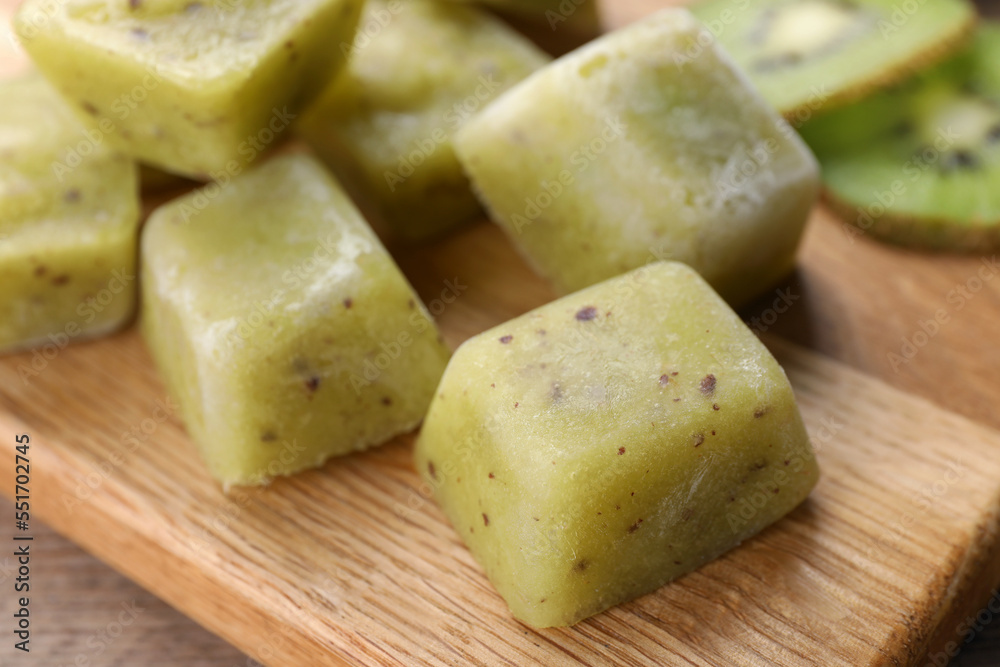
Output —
<point x="69" y="221"/>
<point x="196" y="87"/>
<point x="619" y="153"/>
<point x="419" y="71"/>
<point x="596" y="448"/>
<point x="281" y="325"/>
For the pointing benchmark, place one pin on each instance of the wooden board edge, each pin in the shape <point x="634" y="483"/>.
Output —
<point x="223" y="611"/>
<point x="950" y="604"/>
<point x="219" y="610"/>
<point x="974" y="587"/>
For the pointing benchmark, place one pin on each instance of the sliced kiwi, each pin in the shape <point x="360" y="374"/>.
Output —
<point x="919" y="165"/>
<point x="808" y="55"/>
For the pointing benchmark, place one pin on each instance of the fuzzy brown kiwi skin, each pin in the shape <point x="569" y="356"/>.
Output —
<point x="890" y="77"/>
<point x="935" y="234"/>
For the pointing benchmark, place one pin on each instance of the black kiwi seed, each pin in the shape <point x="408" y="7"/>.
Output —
<point x="784" y="60"/>
<point x="957" y="160"/>
<point x="958" y="100"/>
<point x="903" y="128"/>
<point x="759" y="35"/>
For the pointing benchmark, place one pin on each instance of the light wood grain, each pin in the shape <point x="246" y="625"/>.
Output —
<point x="323" y="567"/>
<point x="76" y="608"/>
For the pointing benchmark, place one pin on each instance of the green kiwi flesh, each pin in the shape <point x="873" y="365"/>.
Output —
<point x="808" y="55"/>
<point x="919" y="165"/>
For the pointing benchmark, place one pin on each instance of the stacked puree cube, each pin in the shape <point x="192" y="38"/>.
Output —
<point x="282" y="325"/>
<point x="199" y="88"/>
<point x="418" y="72"/>
<point x="69" y="220"/>
<point x="596" y="448"/>
<point x="629" y="150"/>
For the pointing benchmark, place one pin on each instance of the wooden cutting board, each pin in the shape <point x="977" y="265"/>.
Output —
<point x="352" y="564"/>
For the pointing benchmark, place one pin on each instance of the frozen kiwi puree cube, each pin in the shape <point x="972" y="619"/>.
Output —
<point x="419" y="71"/>
<point x="281" y="325"/>
<point x="69" y="221"/>
<point x="620" y="153"/>
<point x="594" y="449"/>
<point x="199" y="88"/>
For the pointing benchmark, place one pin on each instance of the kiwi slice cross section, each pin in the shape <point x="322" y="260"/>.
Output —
<point x="808" y="55"/>
<point x="919" y="164"/>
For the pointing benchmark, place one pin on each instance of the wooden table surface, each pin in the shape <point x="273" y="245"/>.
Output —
<point x="86" y="614"/>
